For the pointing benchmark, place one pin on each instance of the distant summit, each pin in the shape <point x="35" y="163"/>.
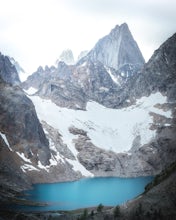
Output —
<point x="17" y="65"/>
<point x="82" y="54"/>
<point x="118" y="50"/>
<point x="67" y="57"/>
<point x="21" y="72"/>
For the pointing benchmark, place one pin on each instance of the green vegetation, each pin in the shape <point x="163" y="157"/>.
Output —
<point x="92" y="213"/>
<point x="162" y="176"/>
<point x="117" y="212"/>
<point x="84" y="215"/>
<point x="152" y="213"/>
<point x="100" y="208"/>
<point x="139" y="210"/>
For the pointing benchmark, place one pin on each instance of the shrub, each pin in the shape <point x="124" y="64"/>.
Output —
<point x="117" y="211"/>
<point x="100" y="208"/>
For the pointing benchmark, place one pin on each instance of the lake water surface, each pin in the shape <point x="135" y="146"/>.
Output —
<point x="109" y="191"/>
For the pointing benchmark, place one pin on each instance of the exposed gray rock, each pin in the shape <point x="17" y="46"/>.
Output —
<point x="73" y="86"/>
<point x="8" y="71"/>
<point x="158" y="203"/>
<point x="57" y="142"/>
<point x="12" y="179"/>
<point x="20" y="124"/>
<point x="16" y="64"/>
<point x="67" y="57"/>
<point x="38" y="78"/>
<point x="159" y="74"/>
<point x="82" y="54"/>
<point x="77" y="131"/>
<point x="117" y="50"/>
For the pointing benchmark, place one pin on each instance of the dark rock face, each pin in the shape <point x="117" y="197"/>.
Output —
<point x="20" y="124"/>
<point x="159" y="74"/>
<point x="157" y="203"/>
<point x="8" y="71"/>
<point x="38" y="77"/>
<point x="12" y="179"/>
<point x="73" y="86"/>
<point x="117" y="49"/>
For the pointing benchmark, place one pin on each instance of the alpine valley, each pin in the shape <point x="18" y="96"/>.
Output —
<point x="107" y="114"/>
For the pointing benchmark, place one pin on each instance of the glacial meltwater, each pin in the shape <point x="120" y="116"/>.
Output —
<point x="89" y="192"/>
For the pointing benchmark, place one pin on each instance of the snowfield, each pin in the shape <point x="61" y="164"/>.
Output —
<point x="109" y="129"/>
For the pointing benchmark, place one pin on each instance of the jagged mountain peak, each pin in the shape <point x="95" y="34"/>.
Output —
<point x="117" y="49"/>
<point x="119" y="28"/>
<point x="67" y="57"/>
<point x="166" y="51"/>
<point x="17" y="65"/>
<point x="40" y="69"/>
<point x="159" y="73"/>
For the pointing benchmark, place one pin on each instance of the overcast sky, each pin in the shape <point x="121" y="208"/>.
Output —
<point x="35" y="32"/>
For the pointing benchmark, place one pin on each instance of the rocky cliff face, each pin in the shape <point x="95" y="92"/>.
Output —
<point x="118" y="50"/>
<point x="21" y="72"/>
<point x="17" y="65"/>
<point x="159" y="74"/>
<point x="8" y="71"/>
<point x="73" y="86"/>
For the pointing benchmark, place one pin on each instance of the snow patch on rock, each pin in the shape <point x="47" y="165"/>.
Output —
<point x="28" y="167"/>
<point x="5" y="140"/>
<point x="31" y="91"/>
<point x="114" y="79"/>
<point x="23" y="157"/>
<point x="79" y="167"/>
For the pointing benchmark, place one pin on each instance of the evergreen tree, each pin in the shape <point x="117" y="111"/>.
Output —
<point x="117" y="211"/>
<point x="100" y="208"/>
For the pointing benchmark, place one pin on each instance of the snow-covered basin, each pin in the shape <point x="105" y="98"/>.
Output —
<point x="110" y="129"/>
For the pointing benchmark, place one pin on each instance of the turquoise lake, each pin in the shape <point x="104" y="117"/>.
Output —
<point x="109" y="191"/>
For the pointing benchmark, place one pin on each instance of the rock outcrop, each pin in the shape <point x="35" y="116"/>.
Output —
<point x="8" y="71"/>
<point x="67" y="57"/>
<point x="82" y="54"/>
<point x="159" y="74"/>
<point x="20" y="124"/>
<point x="118" y="50"/>
<point x="73" y="86"/>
